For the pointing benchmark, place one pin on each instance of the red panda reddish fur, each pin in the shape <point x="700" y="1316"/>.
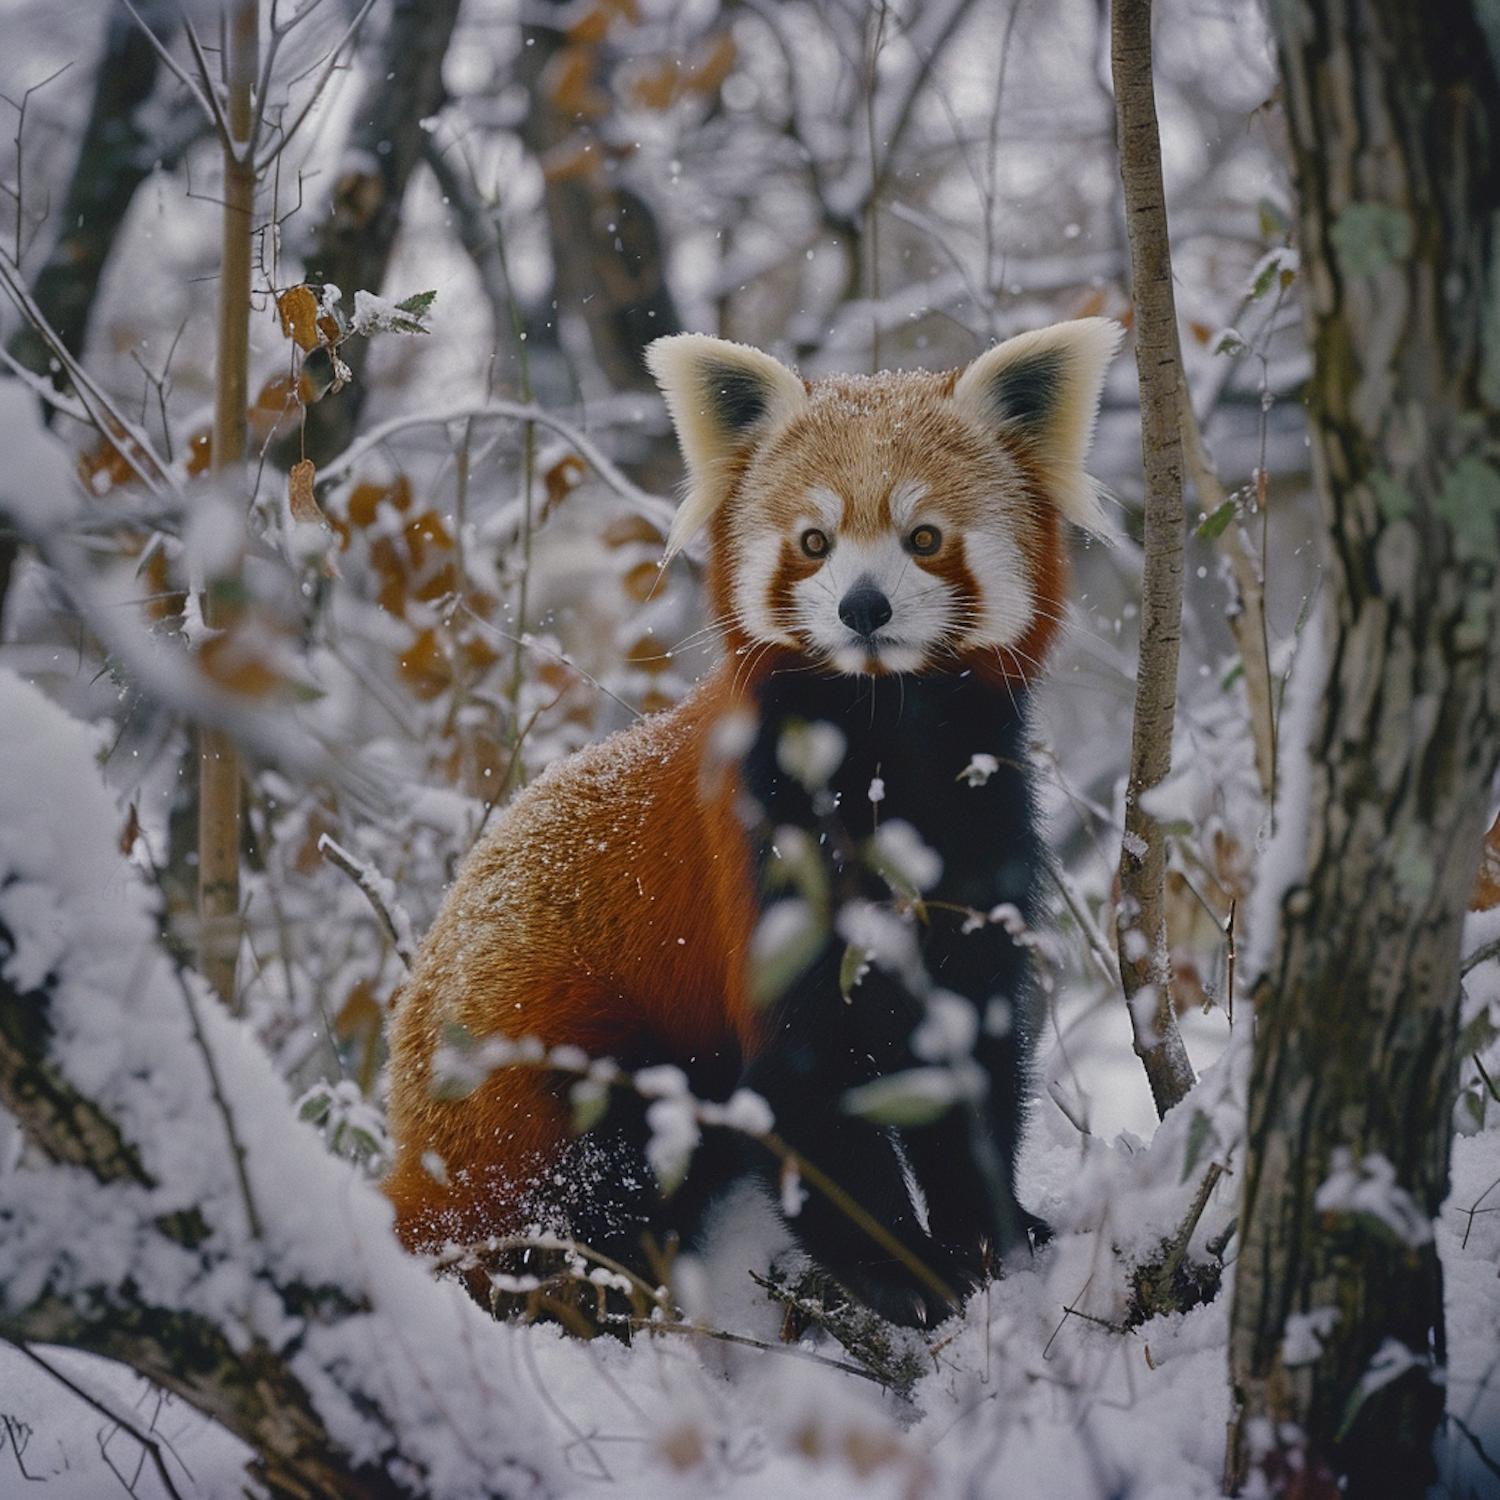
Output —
<point x="612" y="907"/>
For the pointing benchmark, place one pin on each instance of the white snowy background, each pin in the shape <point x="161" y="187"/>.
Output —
<point x="388" y="716"/>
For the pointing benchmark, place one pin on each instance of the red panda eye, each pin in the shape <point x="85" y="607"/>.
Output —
<point x="814" y="543"/>
<point x="925" y="540"/>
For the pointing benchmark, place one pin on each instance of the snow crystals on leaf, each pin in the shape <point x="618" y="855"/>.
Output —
<point x="979" y="770"/>
<point x="948" y="1031"/>
<point x="673" y="1123"/>
<point x="886" y="939"/>
<point x="811" y="752"/>
<point x="904" y="859"/>
<point x="853" y="967"/>
<point x="374" y="314"/>
<point x="785" y="941"/>
<point x="1370" y="1190"/>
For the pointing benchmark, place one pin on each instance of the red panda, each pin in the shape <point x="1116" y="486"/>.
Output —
<point x="811" y="878"/>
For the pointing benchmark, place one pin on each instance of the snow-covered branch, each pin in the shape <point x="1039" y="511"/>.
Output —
<point x="322" y="1346"/>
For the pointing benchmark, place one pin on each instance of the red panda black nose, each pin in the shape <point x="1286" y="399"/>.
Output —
<point x="864" y="609"/>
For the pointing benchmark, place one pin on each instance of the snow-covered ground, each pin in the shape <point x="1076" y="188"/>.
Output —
<point x="1034" y="1390"/>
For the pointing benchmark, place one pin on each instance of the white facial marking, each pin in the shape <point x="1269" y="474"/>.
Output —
<point x="905" y="499"/>
<point x="752" y="593"/>
<point x="1006" y="598"/>
<point x="826" y="506"/>
<point x="921" y="607"/>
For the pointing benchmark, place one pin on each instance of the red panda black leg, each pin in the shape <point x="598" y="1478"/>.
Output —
<point x="946" y="1005"/>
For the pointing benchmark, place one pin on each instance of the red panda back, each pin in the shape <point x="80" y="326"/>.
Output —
<point x="609" y="909"/>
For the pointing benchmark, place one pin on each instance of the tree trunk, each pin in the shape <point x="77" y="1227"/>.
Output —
<point x="115" y="155"/>
<point x="609" y="262"/>
<point x="1393" y="112"/>
<point x="1145" y="964"/>
<point x="354" y="243"/>
<point x="218" y="758"/>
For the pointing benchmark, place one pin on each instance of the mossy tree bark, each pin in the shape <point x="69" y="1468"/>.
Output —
<point x="1394" y="115"/>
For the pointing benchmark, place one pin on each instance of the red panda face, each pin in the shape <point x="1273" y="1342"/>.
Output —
<point x="876" y="532"/>
<point x="904" y="522"/>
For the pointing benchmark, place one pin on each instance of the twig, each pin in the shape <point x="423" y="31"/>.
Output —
<point x="655" y="509"/>
<point x="722" y="1336"/>
<point x="131" y="440"/>
<point x="381" y="895"/>
<point x="1161" y="1284"/>
<point x="464" y="1255"/>
<point x="285" y="133"/>
<point x="236" y="1147"/>
<point x="20" y="191"/>
<point x="1098" y="944"/>
<point x="858" y="1214"/>
<point x="1229" y="939"/>
<point x="205" y="102"/>
<point x="1248" y="622"/>
<point x="126" y="1423"/>
<point x="498" y="1052"/>
<point x="1480" y="955"/>
<point x="44" y="390"/>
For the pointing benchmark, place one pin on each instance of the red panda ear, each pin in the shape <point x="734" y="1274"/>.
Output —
<point x="722" y="398"/>
<point x="1043" y="389"/>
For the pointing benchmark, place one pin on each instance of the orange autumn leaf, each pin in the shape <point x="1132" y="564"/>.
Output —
<point x="649" y="655"/>
<point x="298" y="307"/>
<point x="593" y="25"/>
<point x="1486" y="894"/>
<point x="200" y="452"/>
<point x="424" y="531"/>
<point x="563" y="478"/>
<point x="627" y="529"/>
<point x="299" y="317"/>
<point x="237" y="666"/>
<point x="641" y="580"/>
<point x="661" y="83"/>
<point x="304" y="506"/>
<point x="424" y="666"/>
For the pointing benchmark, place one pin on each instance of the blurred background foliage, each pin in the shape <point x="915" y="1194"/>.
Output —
<point x="469" y="586"/>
